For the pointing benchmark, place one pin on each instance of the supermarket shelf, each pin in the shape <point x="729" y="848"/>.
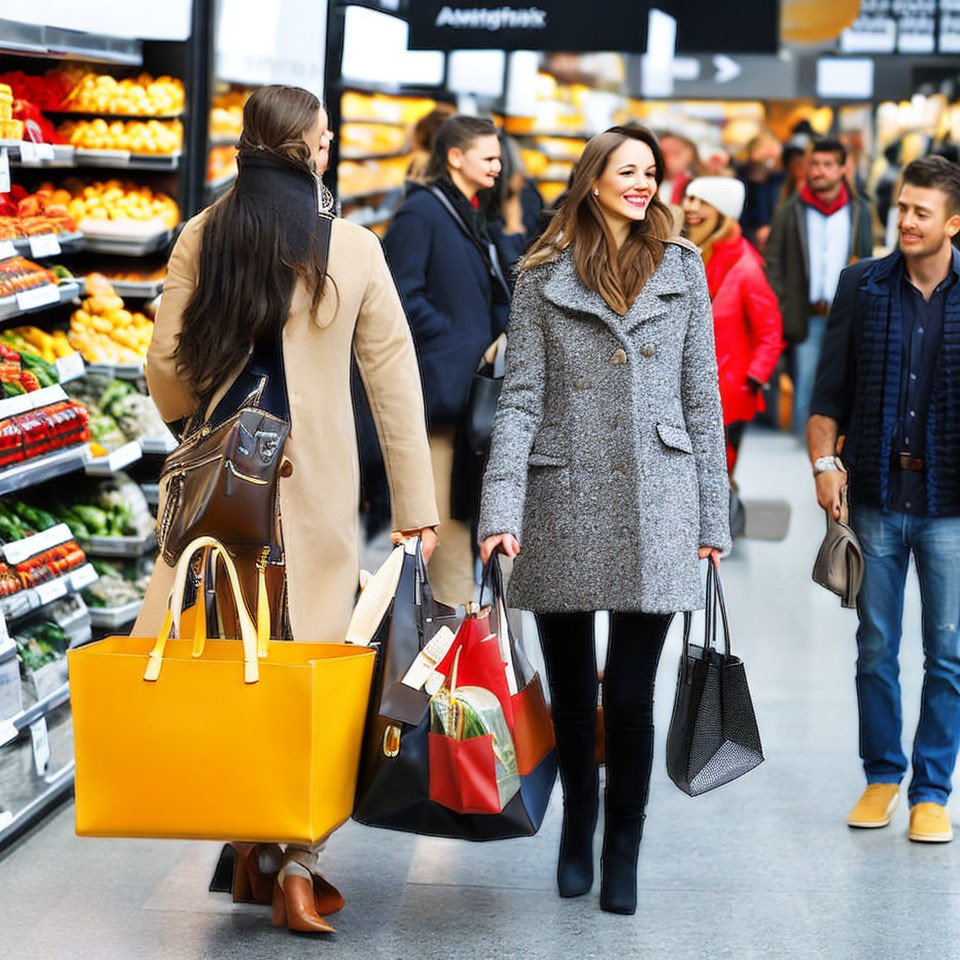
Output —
<point x="68" y="242"/>
<point x="564" y="135"/>
<point x="70" y="367"/>
<point x="117" y="371"/>
<point x="113" y="462"/>
<point x="147" y="289"/>
<point x="151" y="493"/>
<point x="40" y="469"/>
<point x="39" y="298"/>
<point x="93" y="114"/>
<point x="35" y="40"/>
<point x="25" y="402"/>
<point x="366" y="194"/>
<point x="125" y="160"/>
<point x="9" y="729"/>
<point x="112" y="618"/>
<point x="159" y="445"/>
<point x="418" y="91"/>
<point x="38" y="154"/>
<point x="361" y="157"/>
<point x="129" y="248"/>
<point x="18" y="605"/>
<point x="372" y="219"/>
<point x="223" y="140"/>
<point x="58" y="785"/>
<point x="376" y="123"/>
<point x="120" y="546"/>
<point x="19" y="550"/>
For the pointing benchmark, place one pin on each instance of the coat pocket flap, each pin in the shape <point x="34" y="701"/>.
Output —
<point x="546" y="460"/>
<point x="675" y="437"/>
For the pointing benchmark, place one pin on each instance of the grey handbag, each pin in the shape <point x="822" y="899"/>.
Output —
<point x="839" y="565"/>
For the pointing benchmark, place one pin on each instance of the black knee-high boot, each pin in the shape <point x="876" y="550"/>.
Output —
<point x="568" y="647"/>
<point x="634" y="652"/>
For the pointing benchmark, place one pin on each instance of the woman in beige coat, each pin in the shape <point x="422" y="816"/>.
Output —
<point x="242" y="270"/>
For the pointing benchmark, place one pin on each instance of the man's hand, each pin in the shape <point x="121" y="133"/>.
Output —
<point x="830" y="484"/>
<point x="507" y="542"/>
<point x="428" y="540"/>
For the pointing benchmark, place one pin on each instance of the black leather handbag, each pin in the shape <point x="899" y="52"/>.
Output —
<point x="713" y="735"/>
<point x="482" y="400"/>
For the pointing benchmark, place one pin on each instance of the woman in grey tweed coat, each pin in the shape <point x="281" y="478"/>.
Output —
<point x="607" y="477"/>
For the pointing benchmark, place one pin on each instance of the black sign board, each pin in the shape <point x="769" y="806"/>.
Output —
<point x="723" y="26"/>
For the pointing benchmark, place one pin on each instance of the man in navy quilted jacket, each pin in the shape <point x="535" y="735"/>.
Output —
<point x="889" y="381"/>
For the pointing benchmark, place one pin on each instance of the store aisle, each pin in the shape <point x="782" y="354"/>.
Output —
<point x="763" y="868"/>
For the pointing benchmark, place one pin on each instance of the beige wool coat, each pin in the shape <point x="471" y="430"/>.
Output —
<point x="360" y="313"/>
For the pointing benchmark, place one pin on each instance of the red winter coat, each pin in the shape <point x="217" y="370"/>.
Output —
<point x="747" y="325"/>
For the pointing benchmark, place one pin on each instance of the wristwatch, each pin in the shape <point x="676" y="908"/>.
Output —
<point x="823" y="464"/>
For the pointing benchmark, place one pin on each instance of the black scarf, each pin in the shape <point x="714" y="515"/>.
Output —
<point x="272" y="185"/>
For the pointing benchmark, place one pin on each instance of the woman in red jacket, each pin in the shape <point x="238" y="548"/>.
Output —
<point x="747" y="326"/>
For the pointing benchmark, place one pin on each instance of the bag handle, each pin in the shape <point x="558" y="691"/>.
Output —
<point x="375" y="599"/>
<point x="714" y="603"/>
<point x="512" y="651"/>
<point x="212" y="551"/>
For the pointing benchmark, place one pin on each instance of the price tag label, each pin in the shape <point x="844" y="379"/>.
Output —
<point x="4" y="171"/>
<point x="83" y="577"/>
<point x="44" y="151"/>
<point x="41" y="745"/>
<point x="44" y="245"/>
<point x="70" y="367"/>
<point x="28" y="153"/>
<point x="7" y="249"/>
<point x="52" y="590"/>
<point x="38" y="297"/>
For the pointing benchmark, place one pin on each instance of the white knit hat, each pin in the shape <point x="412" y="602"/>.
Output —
<point x="727" y="194"/>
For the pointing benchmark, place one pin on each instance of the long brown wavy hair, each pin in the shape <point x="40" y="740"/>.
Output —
<point x="247" y="270"/>
<point x="617" y="276"/>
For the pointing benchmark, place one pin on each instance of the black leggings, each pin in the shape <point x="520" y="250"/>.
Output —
<point x="633" y="652"/>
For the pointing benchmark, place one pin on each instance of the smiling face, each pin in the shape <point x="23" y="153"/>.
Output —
<point x="925" y="222"/>
<point x="700" y="218"/>
<point x="628" y="183"/>
<point x="317" y="137"/>
<point x="476" y="167"/>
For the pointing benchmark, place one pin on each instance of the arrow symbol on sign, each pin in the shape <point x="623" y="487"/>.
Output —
<point x="727" y="68"/>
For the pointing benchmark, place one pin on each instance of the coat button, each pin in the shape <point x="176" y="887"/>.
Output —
<point x="619" y="357"/>
<point x="286" y="468"/>
<point x="648" y="350"/>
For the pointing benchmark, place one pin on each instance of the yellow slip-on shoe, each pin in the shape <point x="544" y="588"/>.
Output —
<point x="929" y="823"/>
<point x="876" y="806"/>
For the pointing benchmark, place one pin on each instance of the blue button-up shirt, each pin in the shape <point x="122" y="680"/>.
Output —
<point x="922" y="322"/>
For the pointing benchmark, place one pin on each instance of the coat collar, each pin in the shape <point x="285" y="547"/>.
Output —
<point x="890" y="266"/>
<point x="565" y="288"/>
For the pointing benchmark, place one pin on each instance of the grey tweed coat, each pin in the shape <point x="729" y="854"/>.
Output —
<point x="608" y="461"/>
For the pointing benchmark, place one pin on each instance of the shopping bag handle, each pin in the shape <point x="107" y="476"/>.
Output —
<point x="375" y="599"/>
<point x="492" y="579"/>
<point x="212" y="551"/>
<point x="715" y="604"/>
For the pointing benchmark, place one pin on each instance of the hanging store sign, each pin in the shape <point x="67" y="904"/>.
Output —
<point x="730" y="26"/>
<point x="904" y="26"/>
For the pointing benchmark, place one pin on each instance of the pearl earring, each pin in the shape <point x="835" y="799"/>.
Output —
<point x="596" y="192"/>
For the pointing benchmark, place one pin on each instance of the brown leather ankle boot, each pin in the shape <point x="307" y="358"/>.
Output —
<point x="294" y="906"/>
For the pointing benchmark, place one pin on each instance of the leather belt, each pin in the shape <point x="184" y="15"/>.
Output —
<point x="906" y="461"/>
<point x="820" y="309"/>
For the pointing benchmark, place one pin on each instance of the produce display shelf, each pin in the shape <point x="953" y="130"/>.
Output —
<point x="18" y="605"/>
<point x="113" y="462"/>
<point x="145" y="289"/>
<point x="39" y="154"/>
<point x="117" y="371"/>
<point x="68" y="242"/>
<point x="25" y="402"/>
<point x="369" y="218"/>
<point x="129" y="248"/>
<point x="360" y="156"/>
<point x="56" y="786"/>
<point x="112" y="618"/>
<point x="40" y="469"/>
<point x="19" y="550"/>
<point x="159" y="445"/>
<point x="553" y="134"/>
<point x="375" y="123"/>
<point x="125" y="160"/>
<point x="10" y="728"/>
<point x="39" y="298"/>
<point x="106" y="115"/>
<point x="366" y="194"/>
<point x="223" y="139"/>
<point x="120" y="546"/>
<point x="27" y="39"/>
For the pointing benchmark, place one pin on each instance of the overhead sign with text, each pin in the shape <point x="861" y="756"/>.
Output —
<point x="904" y="26"/>
<point x="730" y="26"/>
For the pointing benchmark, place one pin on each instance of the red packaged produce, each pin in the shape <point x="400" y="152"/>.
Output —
<point x="11" y="442"/>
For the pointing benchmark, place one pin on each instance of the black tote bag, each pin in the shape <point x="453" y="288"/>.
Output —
<point x="713" y="735"/>
<point x="393" y="789"/>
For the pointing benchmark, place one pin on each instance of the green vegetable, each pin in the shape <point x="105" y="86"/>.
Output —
<point x="46" y="372"/>
<point x="116" y="390"/>
<point x="95" y="518"/>
<point x="38" y="519"/>
<point x="61" y="272"/>
<point x="13" y="389"/>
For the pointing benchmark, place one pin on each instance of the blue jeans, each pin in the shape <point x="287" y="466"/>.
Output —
<point x="806" y="356"/>
<point x="887" y="540"/>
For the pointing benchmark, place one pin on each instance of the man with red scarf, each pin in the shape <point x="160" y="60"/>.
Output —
<point x="814" y="235"/>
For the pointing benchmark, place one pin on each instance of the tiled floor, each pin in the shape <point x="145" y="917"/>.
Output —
<point x="763" y="868"/>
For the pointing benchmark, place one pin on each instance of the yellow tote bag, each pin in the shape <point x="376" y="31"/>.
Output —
<point x="215" y="739"/>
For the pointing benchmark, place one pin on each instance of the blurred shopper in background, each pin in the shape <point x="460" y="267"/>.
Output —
<point x="681" y="164"/>
<point x="796" y="163"/>
<point x="889" y="381"/>
<point x="607" y="466"/>
<point x="747" y="327"/>
<point x="762" y="176"/>
<point x="815" y="234"/>
<point x="457" y="299"/>
<point x="422" y="137"/>
<point x="244" y="271"/>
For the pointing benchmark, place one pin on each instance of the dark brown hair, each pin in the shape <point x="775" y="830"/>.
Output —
<point x="459" y="132"/>
<point x="936" y="173"/>
<point x="580" y="223"/>
<point x="831" y="145"/>
<point x="247" y="270"/>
